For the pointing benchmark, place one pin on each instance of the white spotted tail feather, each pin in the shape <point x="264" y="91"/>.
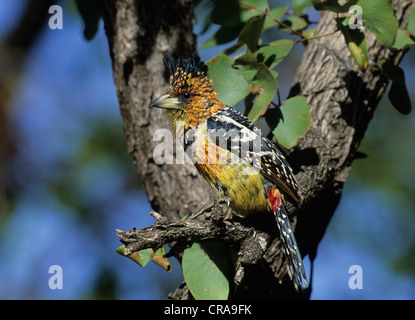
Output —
<point x="295" y="262"/>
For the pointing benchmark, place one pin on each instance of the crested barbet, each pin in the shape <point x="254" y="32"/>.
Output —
<point x="230" y="152"/>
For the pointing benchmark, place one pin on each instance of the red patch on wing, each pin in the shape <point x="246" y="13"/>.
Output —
<point x="274" y="198"/>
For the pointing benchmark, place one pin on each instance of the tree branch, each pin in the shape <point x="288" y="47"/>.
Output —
<point x="249" y="242"/>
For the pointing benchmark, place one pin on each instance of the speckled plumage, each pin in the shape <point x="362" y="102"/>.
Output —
<point x="230" y="152"/>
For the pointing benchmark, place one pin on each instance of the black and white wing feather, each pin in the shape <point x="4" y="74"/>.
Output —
<point x="246" y="141"/>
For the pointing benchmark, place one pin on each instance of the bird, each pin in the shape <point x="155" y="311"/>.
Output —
<point x="230" y="152"/>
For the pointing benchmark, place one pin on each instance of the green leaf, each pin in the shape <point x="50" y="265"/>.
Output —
<point x="356" y="42"/>
<point x="245" y="59"/>
<point x="403" y="40"/>
<point x="273" y="53"/>
<point x="251" y="33"/>
<point x="141" y="257"/>
<point x="248" y="74"/>
<point x="295" y="22"/>
<point x="411" y="22"/>
<point x="379" y="17"/>
<point x="299" y="6"/>
<point x="264" y="86"/>
<point x="359" y="53"/>
<point x="398" y="93"/>
<point x="309" y="33"/>
<point x="206" y="269"/>
<point x="247" y="13"/>
<point x="277" y="14"/>
<point x="227" y="81"/>
<point x="158" y="258"/>
<point x="294" y="118"/>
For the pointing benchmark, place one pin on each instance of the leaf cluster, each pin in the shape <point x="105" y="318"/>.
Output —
<point x="379" y="18"/>
<point x="250" y="76"/>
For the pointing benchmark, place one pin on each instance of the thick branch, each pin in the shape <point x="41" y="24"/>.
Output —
<point x="250" y="243"/>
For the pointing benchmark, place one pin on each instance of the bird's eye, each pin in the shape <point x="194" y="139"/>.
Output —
<point x="186" y="95"/>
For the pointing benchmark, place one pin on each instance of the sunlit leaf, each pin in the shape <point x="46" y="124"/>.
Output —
<point x="411" y="22"/>
<point x="158" y="258"/>
<point x="141" y="257"/>
<point x="248" y="74"/>
<point x="359" y="53"/>
<point x="299" y="6"/>
<point x="403" y="40"/>
<point x="293" y="122"/>
<point x="206" y="268"/>
<point x="264" y="87"/>
<point x="275" y="13"/>
<point x="272" y="54"/>
<point x="356" y="42"/>
<point x="227" y="81"/>
<point x="247" y="13"/>
<point x="379" y="17"/>
<point x="295" y="23"/>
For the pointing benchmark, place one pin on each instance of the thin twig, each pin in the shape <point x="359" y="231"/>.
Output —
<point x="282" y="24"/>
<point x="298" y="41"/>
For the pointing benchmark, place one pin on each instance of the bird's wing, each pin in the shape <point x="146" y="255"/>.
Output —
<point x="230" y="128"/>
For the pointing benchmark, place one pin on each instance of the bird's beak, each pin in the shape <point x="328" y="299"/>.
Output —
<point x="167" y="102"/>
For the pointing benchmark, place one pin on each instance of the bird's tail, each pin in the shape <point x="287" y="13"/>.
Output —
<point x="295" y="262"/>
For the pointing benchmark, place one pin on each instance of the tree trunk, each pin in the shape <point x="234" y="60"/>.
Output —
<point x="342" y="100"/>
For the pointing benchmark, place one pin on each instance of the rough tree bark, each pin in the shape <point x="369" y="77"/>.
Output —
<point x="342" y="100"/>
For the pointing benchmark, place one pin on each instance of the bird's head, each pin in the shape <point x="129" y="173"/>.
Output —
<point x="190" y="96"/>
